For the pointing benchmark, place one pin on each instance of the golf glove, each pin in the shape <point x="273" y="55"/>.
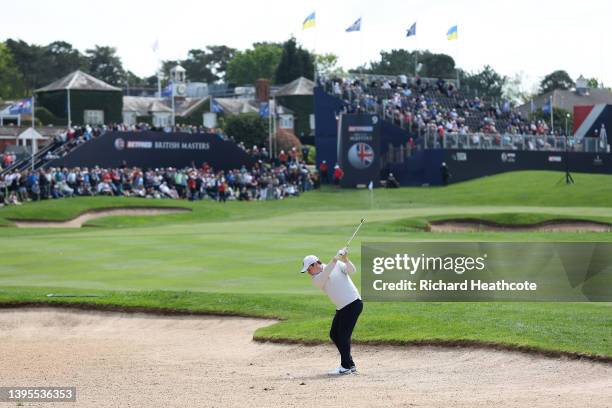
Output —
<point x="343" y="251"/>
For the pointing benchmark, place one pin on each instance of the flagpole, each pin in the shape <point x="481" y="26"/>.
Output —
<point x="173" y="109"/>
<point x="314" y="52"/>
<point x="361" y="45"/>
<point x="274" y="130"/>
<point x="33" y="126"/>
<point x="269" y="130"/>
<point x="457" y="62"/>
<point x="69" y="110"/>
<point x="416" y="55"/>
<point x="552" y="125"/>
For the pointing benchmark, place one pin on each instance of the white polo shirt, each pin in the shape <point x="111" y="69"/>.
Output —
<point x="335" y="281"/>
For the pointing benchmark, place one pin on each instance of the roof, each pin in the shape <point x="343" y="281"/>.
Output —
<point x="236" y="106"/>
<point x="567" y="99"/>
<point x="159" y="106"/>
<point x="78" y="80"/>
<point x="301" y="86"/>
<point x="29" y="134"/>
<point x="143" y="105"/>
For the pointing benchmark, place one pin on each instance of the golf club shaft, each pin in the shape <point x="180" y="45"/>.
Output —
<point x="355" y="233"/>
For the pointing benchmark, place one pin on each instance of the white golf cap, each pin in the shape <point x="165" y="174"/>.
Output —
<point x="309" y="260"/>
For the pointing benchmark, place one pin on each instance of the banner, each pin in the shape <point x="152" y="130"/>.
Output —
<point x="157" y="149"/>
<point x="359" y="149"/>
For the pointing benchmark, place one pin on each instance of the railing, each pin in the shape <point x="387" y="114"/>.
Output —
<point x="496" y="141"/>
<point x="395" y="78"/>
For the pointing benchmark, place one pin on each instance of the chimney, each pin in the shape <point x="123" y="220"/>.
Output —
<point x="262" y="90"/>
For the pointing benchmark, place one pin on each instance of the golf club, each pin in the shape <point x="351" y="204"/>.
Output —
<point x="355" y="233"/>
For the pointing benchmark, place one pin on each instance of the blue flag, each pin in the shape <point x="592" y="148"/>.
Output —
<point x="411" y="31"/>
<point x="356" y="26"/>
<point x="167" y="91"/>
<point x="23" y="106"/>
<point x="264" y="109"/>
<point x="215" y="107"/>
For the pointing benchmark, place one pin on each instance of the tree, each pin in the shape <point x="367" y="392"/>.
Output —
<point x="436" y="65"/>
<point x="11" y="82"/>
<point x="559" y="118"/>
<point x="61" y="59"/>
<point x="134" y="81"/>
<point x="40" y="66"/>
<point x="249" y="128"/>
<point x="396" y="62"/>
<point x="29" y="61"/>
<point x="259" y="62"/>
<point x="486" y="83"/>
<point x="295" y="62"/>
<point x="219" y="58"/>
<point x="556" y="80"/>
<point x="209" y="65"/>
<point x="592" y="83"/>
<point x="513" y="89"/>
<point x="105" y="64"/>
<point x="327" y="65"/>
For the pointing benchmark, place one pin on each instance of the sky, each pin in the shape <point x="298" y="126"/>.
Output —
<point x="526" y="37"/>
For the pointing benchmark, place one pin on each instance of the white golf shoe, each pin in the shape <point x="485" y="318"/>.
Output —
<point x="340" y="371"/>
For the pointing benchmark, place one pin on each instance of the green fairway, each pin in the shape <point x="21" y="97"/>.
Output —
<point x="244" y="258"/>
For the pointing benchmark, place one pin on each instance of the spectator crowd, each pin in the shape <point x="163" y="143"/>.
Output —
<point x="422" y="106"/>
<point x="262" y="182"/>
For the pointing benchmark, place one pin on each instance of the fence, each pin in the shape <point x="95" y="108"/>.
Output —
<point x="497" y="141"/>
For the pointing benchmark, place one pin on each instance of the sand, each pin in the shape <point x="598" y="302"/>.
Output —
<point x="92" y="215"/>
<point x="137" y="360"/>
<point x="549" y="226"/>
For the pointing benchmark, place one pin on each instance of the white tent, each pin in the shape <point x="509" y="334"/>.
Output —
<point x="33" y="136"/>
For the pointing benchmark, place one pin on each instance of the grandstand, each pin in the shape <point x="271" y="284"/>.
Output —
<point x="428" y="121"/>
<point x="415" y="103"/>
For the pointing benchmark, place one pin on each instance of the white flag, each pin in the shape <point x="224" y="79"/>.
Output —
<point x="371" y="185"/>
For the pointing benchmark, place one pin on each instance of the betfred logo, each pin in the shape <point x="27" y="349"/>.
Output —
<point x="119" y="143"/>
<point x="361" y="155"/>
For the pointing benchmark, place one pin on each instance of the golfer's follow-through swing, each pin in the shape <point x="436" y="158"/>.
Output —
<point x="334" y="279"/>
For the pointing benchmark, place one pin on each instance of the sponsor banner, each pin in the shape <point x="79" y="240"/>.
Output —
<point x="508" y="157"/>
<point x="487" y="271"/>
<point x="459" y="156"/>
<point x="597" y="161"/>
<point x="555" y="159"/>
<point x="157" y="149"/>
<point x="359" y="149"/>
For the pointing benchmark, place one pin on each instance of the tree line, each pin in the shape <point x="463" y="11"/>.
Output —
<point x="25" y="67"/>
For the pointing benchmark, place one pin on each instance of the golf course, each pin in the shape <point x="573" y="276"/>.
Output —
<point x="243" y="259"/>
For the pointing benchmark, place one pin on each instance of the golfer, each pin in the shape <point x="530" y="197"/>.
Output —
<point x="334" y="280"/>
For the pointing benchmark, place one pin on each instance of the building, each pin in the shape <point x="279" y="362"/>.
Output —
<point x="567" y="99"/>
<point x="79" y="99"/>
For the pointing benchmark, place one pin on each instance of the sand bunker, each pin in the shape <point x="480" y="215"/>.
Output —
<point x="547" y="226"/>
<point x="118" y="359"/>
<point x="92" y="215"/>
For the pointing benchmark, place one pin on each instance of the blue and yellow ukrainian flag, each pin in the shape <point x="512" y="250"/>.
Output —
<point x="309" y="22"/>
<point x="451" y="34"/>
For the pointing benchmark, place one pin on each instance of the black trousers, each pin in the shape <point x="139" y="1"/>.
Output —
<point x="342" y="330"/>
